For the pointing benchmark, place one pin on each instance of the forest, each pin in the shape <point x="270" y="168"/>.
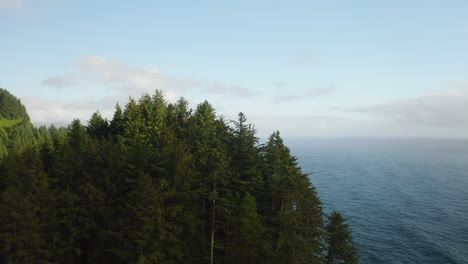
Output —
<point x="158" y="183"/>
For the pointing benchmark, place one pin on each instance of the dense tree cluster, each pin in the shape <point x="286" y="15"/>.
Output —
<point x="16" y="132"/>
<point x="161" y="183"/>
<point x="10" y="106"/>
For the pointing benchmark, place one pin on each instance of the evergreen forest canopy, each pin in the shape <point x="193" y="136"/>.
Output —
<point x="16" y="132"/>
<point x="159" y="183"/>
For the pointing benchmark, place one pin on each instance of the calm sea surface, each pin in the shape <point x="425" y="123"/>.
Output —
<point x="406" y="200"/>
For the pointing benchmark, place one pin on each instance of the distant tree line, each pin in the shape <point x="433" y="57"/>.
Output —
<point x="159" y="183"/>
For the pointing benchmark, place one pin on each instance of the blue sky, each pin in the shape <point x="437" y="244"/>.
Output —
<point x="307" y="68"/>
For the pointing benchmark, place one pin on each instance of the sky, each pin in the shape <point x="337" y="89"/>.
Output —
<point x="307" y="68"/>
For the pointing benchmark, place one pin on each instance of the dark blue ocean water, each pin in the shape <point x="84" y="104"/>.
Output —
<point x="406" y="200"/>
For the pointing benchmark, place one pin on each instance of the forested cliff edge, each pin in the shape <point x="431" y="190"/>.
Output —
<point x="158" y="183"/>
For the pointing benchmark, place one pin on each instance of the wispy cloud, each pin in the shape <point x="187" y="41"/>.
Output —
<point x="18" y="6"/>
<point x="234" y="90"/>
<point x="130" y="79"/>
<point x="304" y="56"/>
<point x="120" y="81"/>
<point x="118" y="76"/>
<point x="59" y="81"/>
<point x="448" y="108"/>
<point x="11" y="5"/>
<point x="313" y="93"/>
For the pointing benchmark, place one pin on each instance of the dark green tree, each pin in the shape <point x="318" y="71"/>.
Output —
<point x="97" y="126"/>
<point x="247" y="239"/>
<point x="11" y="107"/>
<point x="340" y="245"/>
<point x="159" y="183"/>
<point x="245" y="155"/>
<point x="26" y="210"/>
<point x="289" y="204"/>
<point x="116" y="125"/>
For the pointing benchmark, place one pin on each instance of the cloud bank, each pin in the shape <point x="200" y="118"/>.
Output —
<point x="44" y="111"/>
<point x="446" y="109"/>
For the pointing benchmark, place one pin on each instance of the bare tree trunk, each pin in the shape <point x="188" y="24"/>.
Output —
<point x="330" y="255"/>
<point x="212" y="233"/>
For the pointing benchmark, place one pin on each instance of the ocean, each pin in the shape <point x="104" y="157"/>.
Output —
<point x="406" y="200"/>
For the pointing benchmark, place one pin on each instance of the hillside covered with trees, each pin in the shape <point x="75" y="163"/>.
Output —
<point x="16" y="131"/>
<point x="159" y="183"/>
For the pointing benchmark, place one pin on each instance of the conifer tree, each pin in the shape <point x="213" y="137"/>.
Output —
<point x="116" y="124"/>
<point x="26" y="210"/>
<point x="341" y="247"/>
<point x="290" y="206"/>
<point x="245" y="155"/>
<point x="159" y="183"/>
<point x="247" y="233"/>
<point x="97" y="126"/>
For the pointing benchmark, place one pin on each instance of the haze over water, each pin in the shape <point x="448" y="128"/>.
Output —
<point x="405" y="199"/>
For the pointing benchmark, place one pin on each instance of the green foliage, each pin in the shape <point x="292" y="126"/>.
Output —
<point x="16" y="132"/>
<point x="11" y="107"/>
<point x="26" y="203"/>
<point x="9" y="123"/>
<point x="341" y="247"/>
<point x="97" y="126"/>
<point x="248" y="232"/>
<point x="159" y="183"/>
